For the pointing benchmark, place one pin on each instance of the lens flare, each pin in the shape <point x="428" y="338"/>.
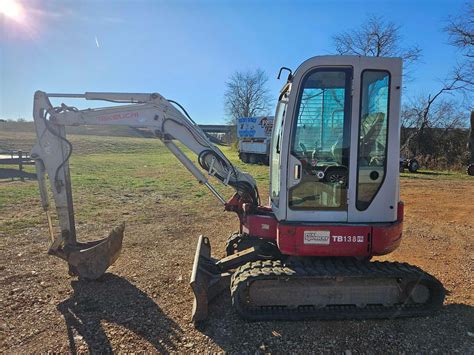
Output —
<point x="11" y="9"/>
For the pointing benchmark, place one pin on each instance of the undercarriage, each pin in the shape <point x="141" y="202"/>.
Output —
<point x="328" y="288"/>
<point x="267" y="285"/>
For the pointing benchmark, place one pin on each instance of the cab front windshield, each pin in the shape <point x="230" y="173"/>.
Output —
<point x="320" y="141"/>
<point x="320" y="124"/>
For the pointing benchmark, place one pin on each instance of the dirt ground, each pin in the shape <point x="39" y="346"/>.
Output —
<point x="144" y="301"/>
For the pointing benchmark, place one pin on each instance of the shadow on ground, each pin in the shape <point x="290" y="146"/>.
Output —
<point x="432" y="175"/>
<point x="6" y="173"/>
<point x="436" y="173"/>
<point x="115" y="300"/>
<point x="417" y="334"/>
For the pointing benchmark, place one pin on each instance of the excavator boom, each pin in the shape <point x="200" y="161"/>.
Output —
<point x="53" y="150"/>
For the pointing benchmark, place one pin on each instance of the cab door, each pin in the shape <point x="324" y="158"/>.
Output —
<point x="374" y="181"/>
<point x="319" y="145"/>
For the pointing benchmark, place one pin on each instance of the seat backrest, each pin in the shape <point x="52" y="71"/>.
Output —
<point x="372" y="125"/>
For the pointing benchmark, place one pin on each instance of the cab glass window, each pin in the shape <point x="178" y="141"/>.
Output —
<point x="276" y="149"/>
<point x="372" y="150"/>
<point x="321" y="141"/>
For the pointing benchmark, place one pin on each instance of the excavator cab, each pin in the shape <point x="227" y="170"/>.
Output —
<point x="335" y="142"/>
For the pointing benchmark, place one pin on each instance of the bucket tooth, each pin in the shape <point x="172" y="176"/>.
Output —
<point x="90" y="260"/>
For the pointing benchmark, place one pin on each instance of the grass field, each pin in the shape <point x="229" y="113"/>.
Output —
<point x="144" y="302"/>
<point x="105" y="169"/>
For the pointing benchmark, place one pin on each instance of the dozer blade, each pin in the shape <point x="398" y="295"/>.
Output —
<point x="90" y="260"/>
<point x="207" y="281"/>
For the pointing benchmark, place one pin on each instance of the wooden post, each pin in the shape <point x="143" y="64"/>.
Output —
<point x="20" y="164"/>
<point x="20" y="160"/>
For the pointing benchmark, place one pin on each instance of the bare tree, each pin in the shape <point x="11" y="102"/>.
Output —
<point x="461" y="31"/>
<point x="422" y="105"/>
<point x="433" y="128"/>
<point x="434" y="131"/>
<point x="461" y="35"/>
<point x="431" y="120"/>
<point x="376" y="37"/>
<point x="246" y="94"/>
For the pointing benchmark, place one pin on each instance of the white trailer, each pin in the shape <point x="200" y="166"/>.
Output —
<point x="254" y="134"/>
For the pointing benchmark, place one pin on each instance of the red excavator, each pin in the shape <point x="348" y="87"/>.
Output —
<point x="334" y="196"/>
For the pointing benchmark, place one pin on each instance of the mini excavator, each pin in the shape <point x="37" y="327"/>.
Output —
<point x="333" y="205"/>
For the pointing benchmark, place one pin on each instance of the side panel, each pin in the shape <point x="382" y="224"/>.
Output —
<point x="262" y="226"/>
<point x="386" y="238"/>
<point x="328" y="239"/>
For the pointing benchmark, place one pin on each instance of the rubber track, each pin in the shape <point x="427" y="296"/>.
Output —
<point x="331" y="268"/>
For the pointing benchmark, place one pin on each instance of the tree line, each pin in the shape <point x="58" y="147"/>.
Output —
<point x="434" y="124"/>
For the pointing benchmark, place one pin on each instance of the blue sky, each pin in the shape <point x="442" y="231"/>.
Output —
<point x="186" y="50"/>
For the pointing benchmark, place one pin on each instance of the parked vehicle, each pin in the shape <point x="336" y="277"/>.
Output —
<point x="411" y="164"/>
<point x="254" y="134"/>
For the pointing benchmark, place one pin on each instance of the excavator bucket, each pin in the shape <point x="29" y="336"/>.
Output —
<point x="90" y="260"/>
<point x="207" y="280"/>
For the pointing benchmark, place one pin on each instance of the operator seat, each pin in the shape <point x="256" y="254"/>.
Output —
<point x="371" y="126"/>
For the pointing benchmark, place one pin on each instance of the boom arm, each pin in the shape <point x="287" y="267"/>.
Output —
<point x="152" y="111"/>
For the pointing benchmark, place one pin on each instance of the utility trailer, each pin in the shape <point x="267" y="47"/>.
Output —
<point x="254" y="135"/>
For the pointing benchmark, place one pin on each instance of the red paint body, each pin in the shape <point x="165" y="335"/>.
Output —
<point x="364" y="239"/>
